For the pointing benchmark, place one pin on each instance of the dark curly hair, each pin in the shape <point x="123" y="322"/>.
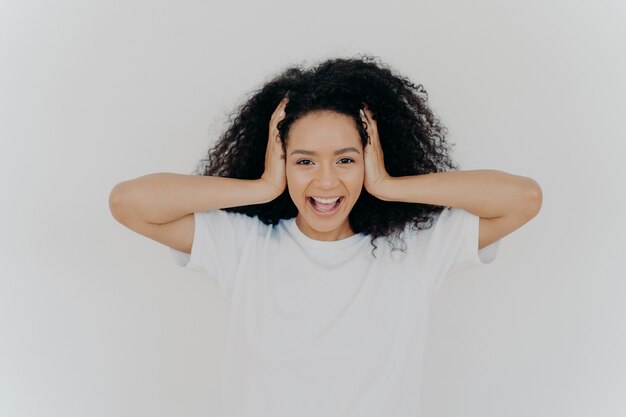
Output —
<point x="412" y="139"/>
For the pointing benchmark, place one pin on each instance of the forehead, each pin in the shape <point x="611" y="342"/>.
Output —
<point x="324" y="132"/>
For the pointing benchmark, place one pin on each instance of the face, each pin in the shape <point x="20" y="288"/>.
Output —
<point x="325" y="172"/>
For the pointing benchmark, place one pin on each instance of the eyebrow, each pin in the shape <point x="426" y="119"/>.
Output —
<point x="337" y="152"/>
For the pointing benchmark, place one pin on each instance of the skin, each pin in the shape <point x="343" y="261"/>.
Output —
<point x="503" y="202"/>
<point x="324" y="159"/>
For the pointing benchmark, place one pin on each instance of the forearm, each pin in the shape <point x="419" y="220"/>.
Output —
<point x="485" y="193"/>
<point x="165" y="197"/>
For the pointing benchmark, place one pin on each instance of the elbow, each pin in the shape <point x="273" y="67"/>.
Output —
<point x="117" y="202"/>
<point x="534" y="199"/>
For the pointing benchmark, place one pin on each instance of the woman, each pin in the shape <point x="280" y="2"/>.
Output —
<point x="314" y="166"/>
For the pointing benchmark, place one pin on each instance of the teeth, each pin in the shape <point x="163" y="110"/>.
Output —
<point x="326" y="200"/>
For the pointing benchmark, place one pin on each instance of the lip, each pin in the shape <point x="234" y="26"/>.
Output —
<point x="325" y="213"/>
<point x="321" y="196"/>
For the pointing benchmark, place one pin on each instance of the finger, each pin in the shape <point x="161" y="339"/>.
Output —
<point x="371" y="123"/>
<point x="364" y="119"/>
<point x="368" y="117"/>
<point x="368" y="114"/>
<point x="282" y="105"/>
<point x="367" y="129"/>
<point x="277" y="116"/>
<point x="279" y="111"/>
<point x="366" y="110"/>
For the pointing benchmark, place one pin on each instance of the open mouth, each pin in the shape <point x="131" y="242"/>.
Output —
<point x="325" y="205"/>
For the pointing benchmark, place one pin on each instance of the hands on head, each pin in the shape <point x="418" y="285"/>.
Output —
<point x="375" y="172"/>
<point x="274" y="173"/>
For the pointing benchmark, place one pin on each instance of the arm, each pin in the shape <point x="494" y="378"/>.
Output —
<point x="486" y="193"/>
<point x="504" y="202"/>
<point x="161" y="206"/>
<point x="164" y="197"/>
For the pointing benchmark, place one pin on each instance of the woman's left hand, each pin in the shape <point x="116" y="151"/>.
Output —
<point x="375" y="172"/>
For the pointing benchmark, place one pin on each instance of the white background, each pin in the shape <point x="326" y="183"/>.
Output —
<point x="96" y="320"/>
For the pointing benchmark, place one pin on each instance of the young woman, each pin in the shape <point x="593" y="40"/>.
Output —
<point x="329" y="213"/>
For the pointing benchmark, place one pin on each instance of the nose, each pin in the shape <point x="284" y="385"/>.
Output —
<point x="327" y="177"/>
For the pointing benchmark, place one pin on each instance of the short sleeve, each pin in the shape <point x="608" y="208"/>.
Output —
<point x="452" y="246"/>
<point x="218" y="242"/>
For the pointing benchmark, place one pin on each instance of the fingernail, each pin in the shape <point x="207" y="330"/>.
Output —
<point x="361" y="112"/>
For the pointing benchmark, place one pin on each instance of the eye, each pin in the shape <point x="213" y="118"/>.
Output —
<point x="309" y="162"/>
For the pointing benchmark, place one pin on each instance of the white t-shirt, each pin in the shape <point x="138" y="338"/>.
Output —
<point x="322" y="328"/>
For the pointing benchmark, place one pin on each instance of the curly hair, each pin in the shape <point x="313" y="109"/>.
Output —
<point x="411" y="137"/>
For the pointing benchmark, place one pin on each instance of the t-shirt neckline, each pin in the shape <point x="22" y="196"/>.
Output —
<point x="295" y="231"/>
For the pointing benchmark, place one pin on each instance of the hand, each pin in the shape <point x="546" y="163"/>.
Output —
<point x="274" y="173"/>
<point x="375" y="172"/>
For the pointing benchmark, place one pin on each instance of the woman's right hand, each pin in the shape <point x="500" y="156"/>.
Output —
<point x="274" y="173"/>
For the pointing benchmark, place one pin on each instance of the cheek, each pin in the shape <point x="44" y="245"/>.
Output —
<point x="294" y="176"/>
<point x="355" y="177"/>
<point x="296" y="182"/>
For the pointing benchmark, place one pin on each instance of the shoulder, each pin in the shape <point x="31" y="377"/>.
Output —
<point x="222" y="215"/>
<point x="437" y="227"/>
<point x="222" y="221"/>
<point x="429" y="221"/>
